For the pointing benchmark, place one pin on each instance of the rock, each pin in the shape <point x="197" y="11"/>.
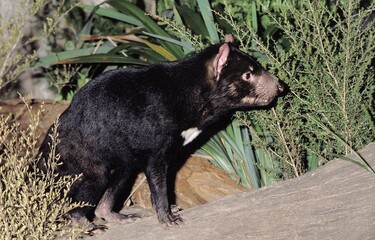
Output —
<point x="336" y="201"/>
<point x="197" y="182"/>
<point x="19" y="112"/>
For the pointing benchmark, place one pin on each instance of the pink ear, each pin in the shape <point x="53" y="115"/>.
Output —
<point x="221" y="58"/>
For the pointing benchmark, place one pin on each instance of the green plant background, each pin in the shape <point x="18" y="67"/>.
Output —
<point x="321" y="49"/>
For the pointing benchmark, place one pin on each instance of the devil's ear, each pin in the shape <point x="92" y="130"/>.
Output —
<point x="221" y="59"/>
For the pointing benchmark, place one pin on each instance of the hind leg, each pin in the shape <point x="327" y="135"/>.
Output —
<point x="88" y="190"/>
<point x="105" y="207"/>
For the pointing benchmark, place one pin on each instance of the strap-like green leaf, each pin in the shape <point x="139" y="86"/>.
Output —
<point x="111" y="13"/>
<point x="149" y="24"/>
<point x="104" y="58"/>
<point x="193" y="20"/>
<point x="185" y="45"/>
<point x="208" y="18"/>
<point x="56" y="58"/>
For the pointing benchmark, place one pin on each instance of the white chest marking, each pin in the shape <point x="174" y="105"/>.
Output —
<point x="190" y="134"/>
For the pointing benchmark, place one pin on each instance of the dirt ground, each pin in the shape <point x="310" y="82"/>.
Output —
<point x="337" y="201"/>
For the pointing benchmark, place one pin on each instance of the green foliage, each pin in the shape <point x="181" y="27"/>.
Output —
<point x="230" y="149"/>
<point x="193" y="25"/>
<point x="33" y="204"/>
<point x="321" y="49"/>
<point x="59" y="78"/>
<point x="327" y="61"/>
<point x="121" y="48"/>
<point x="62" y="77"/>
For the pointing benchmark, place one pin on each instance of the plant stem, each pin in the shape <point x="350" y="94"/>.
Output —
<point x="285" y="144"/>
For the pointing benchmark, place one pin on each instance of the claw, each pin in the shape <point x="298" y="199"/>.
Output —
<point x="172" y="220"/>
<point x="96" y="229"/>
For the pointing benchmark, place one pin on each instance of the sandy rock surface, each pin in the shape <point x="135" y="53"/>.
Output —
<point x="336" y="201"/>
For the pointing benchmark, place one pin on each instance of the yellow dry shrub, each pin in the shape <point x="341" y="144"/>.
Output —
<point x="33" y="204"/>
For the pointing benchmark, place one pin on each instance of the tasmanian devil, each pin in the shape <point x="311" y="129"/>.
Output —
<point x="139" y="119"/>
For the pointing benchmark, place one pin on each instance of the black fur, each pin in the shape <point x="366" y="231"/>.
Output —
<point x="132" y="119"/>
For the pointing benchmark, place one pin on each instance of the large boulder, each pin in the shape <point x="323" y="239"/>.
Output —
<point x="336" y="201"/>
<point x="197" y="182"/>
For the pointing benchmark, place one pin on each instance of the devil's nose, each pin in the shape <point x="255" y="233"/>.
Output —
<point x="282" y="88"/>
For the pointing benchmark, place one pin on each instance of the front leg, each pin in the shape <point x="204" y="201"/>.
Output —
<point x="156" y="173"/>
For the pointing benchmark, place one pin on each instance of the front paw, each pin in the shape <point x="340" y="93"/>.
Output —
<point x="171" y="220"/>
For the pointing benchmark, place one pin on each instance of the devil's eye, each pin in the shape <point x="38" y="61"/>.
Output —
<point x="246" y="76"/>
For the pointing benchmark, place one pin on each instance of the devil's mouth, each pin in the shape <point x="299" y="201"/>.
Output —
<point x="257" y="101"/>
<point x="263" y="102"/>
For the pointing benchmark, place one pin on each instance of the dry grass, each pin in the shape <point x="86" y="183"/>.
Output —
<point x="33" y="204"/>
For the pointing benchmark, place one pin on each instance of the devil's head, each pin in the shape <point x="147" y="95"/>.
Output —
<point x="241" y="80"/>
